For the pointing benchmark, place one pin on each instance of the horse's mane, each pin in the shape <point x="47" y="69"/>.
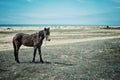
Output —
<point x="41" y="33"/>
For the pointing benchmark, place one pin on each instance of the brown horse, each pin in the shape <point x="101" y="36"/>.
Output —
<point x="34" y="40"/>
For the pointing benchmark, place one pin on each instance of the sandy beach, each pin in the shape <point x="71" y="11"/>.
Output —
<point x="82" y="53"/>
<point x="59" y="35"/>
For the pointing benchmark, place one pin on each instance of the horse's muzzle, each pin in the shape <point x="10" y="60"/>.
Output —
<point x="48" y="39"/>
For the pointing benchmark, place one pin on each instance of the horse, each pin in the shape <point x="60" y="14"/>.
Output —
<point x="31" y="40"/>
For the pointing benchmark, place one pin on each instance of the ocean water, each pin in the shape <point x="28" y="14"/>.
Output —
<point x="53" y="25"/>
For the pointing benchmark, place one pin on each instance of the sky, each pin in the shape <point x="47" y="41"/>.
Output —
<point x="83" y="12"/>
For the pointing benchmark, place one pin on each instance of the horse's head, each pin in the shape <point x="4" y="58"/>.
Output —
<point x="47" y="33"/>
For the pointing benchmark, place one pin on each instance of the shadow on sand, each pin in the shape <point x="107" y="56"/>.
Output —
<point x="46" y="62"/>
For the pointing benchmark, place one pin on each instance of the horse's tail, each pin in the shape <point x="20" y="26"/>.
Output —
<point x="14" y="46"/>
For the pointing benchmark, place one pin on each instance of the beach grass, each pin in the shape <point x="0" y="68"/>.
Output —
<point x="73" y="54"/>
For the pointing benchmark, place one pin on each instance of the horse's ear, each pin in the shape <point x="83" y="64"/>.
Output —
<point x="45" y="29"/>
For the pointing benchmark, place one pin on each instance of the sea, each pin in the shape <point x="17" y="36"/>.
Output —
<point x="53" y="25"/>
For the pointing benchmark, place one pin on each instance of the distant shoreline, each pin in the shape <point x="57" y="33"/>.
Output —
<point x="4" y="25"/>
<point x="53" y="25"/>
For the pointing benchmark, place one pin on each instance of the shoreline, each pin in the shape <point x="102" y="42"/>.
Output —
<point x="9" y="28"/>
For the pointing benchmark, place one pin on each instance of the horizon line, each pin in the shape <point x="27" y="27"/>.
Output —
<point x="57" y="25"/>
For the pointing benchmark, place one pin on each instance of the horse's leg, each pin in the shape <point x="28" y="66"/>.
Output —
<point x="39" y="50"/>
<point x="34" y="54"/>
<point x="17" y="51"/>
<point x="15" y="54"/>
<point x="14" y="46"/>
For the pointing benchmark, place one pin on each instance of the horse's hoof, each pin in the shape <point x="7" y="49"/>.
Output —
<point x="33" y="61"/>
<point x="18" y="61"/>
<point x="41" y="61"/>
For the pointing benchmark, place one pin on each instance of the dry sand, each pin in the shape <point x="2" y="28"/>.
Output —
<point x="59" y="35"/>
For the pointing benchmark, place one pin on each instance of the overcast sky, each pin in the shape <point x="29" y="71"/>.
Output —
<point x="84" y="12"/>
